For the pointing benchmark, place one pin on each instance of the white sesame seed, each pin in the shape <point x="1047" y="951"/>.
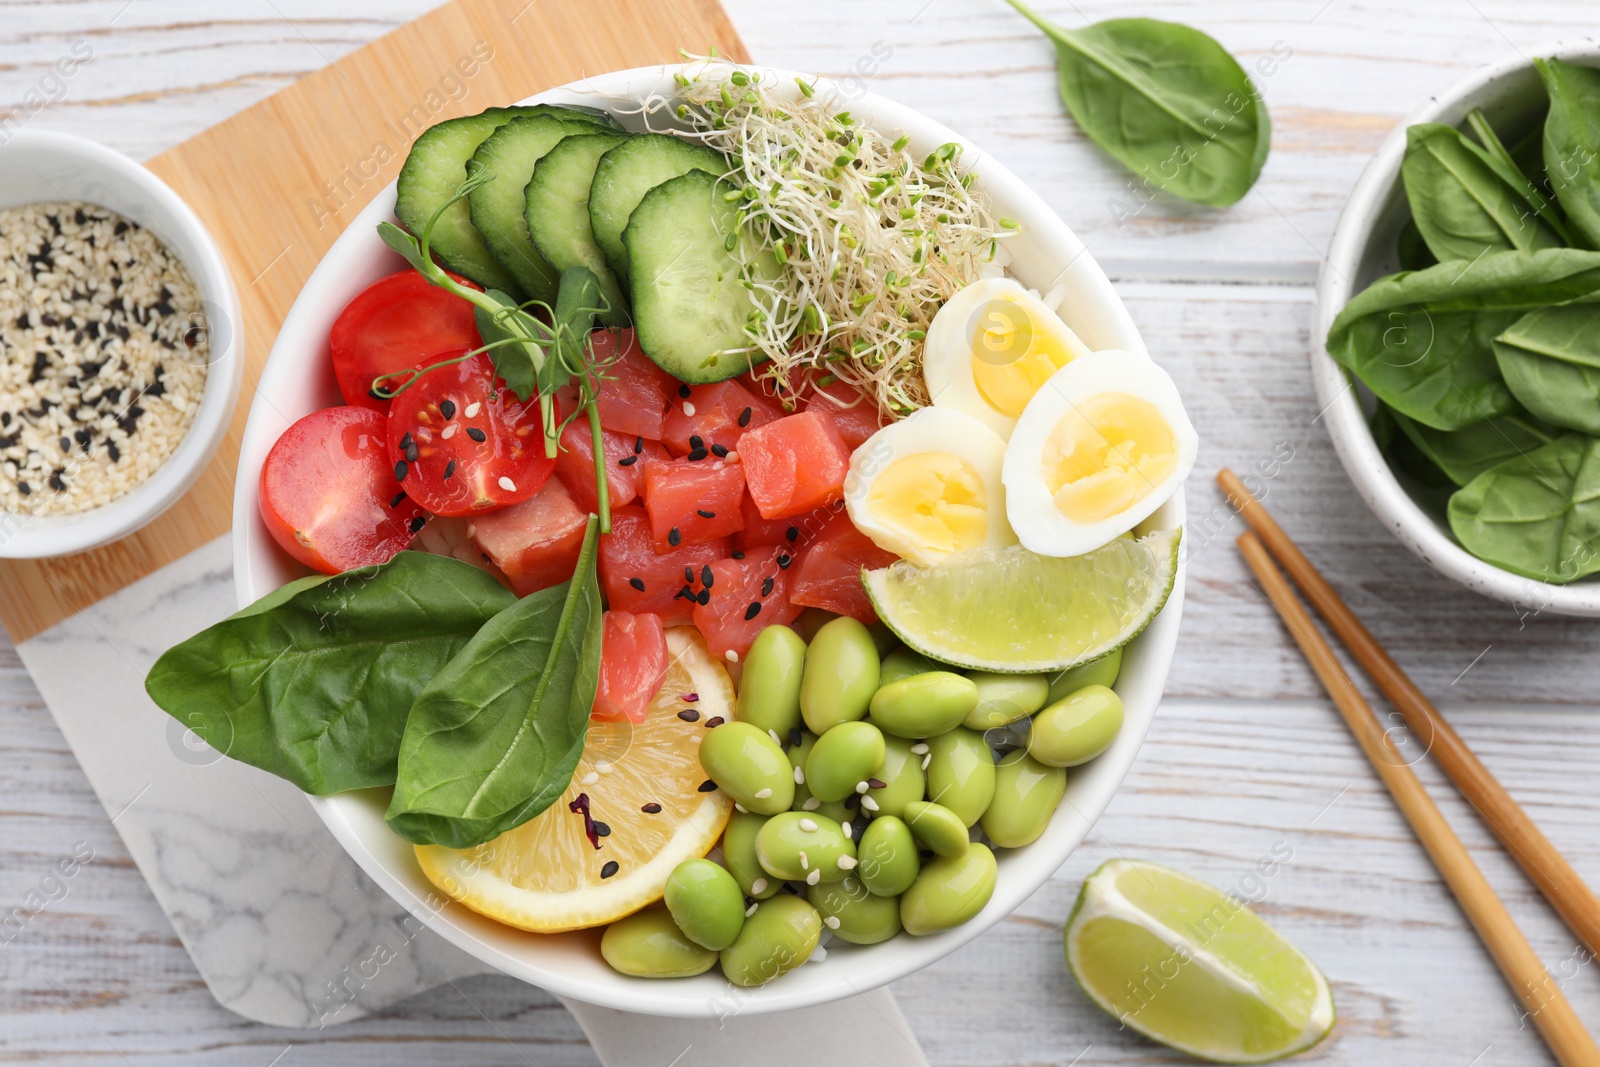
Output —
<point x="751" y="910"/>
<point x="774" y="735"/>
<point x="848" y="833"/>
<point x="920" y="748"/>
<point x="811" y="804"/>
<point x="449" y="431"/>
<point x="847" y="863"/>
<point x="731" y="656"/>
<point x="472" y="410"/>
<point x="507" y="484"/>
<point x="862" y="787"/>
<point x="869" y="803"/>
<point x="799" y="776"/>
<point x="805" y="865"/>
<point x="758" y="886"/>
<point x="740" y="808"/>
<point x="831" y="922"/>
<point x="731" y="457"/>
<point x="927" y="760"/>
<point x="763" y="794"/>
<point x="472" y="531"/>
<point x="688" y="409"/>
<point x="814" y="877"/>
<point x="589" y="779"/>
<point x="808" y="825"/>
<point x="603" y="766"/>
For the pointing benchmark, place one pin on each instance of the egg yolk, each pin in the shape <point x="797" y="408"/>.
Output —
<point x="1107" y="454"/>
<point x="1010" y="360"/>
<point x="934" y="501"/>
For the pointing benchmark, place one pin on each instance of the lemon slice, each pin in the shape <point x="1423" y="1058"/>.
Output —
<point x="1008" y="609"/>
<point x="547" y="876"/>
<point x="1194" y="969"/>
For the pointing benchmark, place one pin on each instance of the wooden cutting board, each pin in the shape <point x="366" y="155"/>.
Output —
<point x="279" y="181"/>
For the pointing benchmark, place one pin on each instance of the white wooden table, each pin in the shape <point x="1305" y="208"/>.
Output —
<point x="1244" y="759"/>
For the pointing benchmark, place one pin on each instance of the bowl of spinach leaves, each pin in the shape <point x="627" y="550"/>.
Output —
<point x="1459" y="312"/>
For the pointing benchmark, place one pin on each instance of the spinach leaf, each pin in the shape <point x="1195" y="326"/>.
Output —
<point x="1402" y="454"/>
<point x="1422" y="341"/>
<point x="1411" y="250"/>
<point x="1572" y="143"/>
<point x="313" y="681"/>
<point x="1461" y="202"/>
<point x="1167" y="101"/>
<point x="1551" y="362"/>
<point x="1464" y="454"/>
<point x="1537" y="515"/>
<point x="493" y="739"/>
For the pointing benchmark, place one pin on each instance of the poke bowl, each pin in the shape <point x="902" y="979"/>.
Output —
<point x="1045" y="256"/>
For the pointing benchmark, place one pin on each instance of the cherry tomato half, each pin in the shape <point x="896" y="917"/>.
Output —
<point x="328" y="493"/>
<point x="397" y="323"/>
<point x="462" y="443"/>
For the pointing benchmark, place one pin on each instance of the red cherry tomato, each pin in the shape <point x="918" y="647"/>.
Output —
<point x="397" y="323"/>
<point x="462" y="443"/>
<point x="328" y="494"/>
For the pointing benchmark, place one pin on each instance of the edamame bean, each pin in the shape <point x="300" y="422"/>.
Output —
<point x="961" y="773"/>
<point x="853" y="914"/>
<point x="902" y="778"/>
<point x="805" y="847"/>
<point x="1005" y="698"/>
<point x="949" y="891"/>
<point x="749" y="766"/>
<point x="778" y="937"/>
<point x="903" y="663"/>
<point x="887" y="860"/>
<point x="1077" y="729"/>
<point x="924" y="705"/>
<point x="705" y="901"/>
<point x="648" y="944"/>
<point x="1026" y="793"/>
<point x="937" y="827"/>
<point x="798" y="754"/>
<point x="739" y="853"/>
<point x="1102" y="671"/>
<point x="848" y="754"/>
<point x="769" y="690"/>
<point x="841" y="674"/>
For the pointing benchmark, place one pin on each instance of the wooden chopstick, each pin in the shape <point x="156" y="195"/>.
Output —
<point x="1557" y="1023"/>
<point x="1567" y="893"/>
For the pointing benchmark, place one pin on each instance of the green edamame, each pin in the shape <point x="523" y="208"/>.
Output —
<point x="853" y="914"/>
<point x="778" y="937"/>
<point x="648" y="944"/>
<point x="848" y="754"/>
<point x="811" y="620"/>
<point x="841" y="674"/>
<point x="924" y="705"/>
<point x="769" y="689"/>
<point x="903" y="663"/>
<point x="949" y="891"/>
<point x="937" y="827"/>
<point x="1076" y="729"/>
<point x="887" y="860"/>
<point x="739" y="853"/>
<point x="1026" y="794"/>
<point x="961" y="773"/>
<point x="749" y="766"/>
<point x="705" y="901"/>
<point x="902" y="778"/>
<point x="805" y="847"/>
<point x="1005" y="698"/>
<point x="798" y="754"/>
<point x="1102" y="671"/>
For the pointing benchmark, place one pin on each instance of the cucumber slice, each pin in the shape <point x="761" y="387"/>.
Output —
<point x="690" y="305"/>
<point x="558" y="213"/>
<point x="499" y="208"/>
<point x="632" y="169"/>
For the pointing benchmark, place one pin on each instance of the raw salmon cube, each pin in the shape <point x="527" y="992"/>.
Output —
<point x="745" y="597"/>
<point x="827" y="573"/>
<point x="795" y="464"/>
<point x="723" y="413"/>
<point x="691" y="501"/>
<point x="633" y="663"/>
<point x="535" y="543"/>
<point x="633" y="399"/>
<point x="637" y="578"/>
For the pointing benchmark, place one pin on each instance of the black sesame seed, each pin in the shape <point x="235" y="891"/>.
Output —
<point x="792" y="534"/>
<point x="449" y="470"/>
<point x="637" y="583"/>
<point x="400" y="471"/>
<point x="412" y="453"/>
<point x="791" y="889"/>
<point x="55" y="480"/>
<point x="708" y="786"/>
<point x="689" y="715"/>
<point x="853" y="801"/>
<point x="405" y="442"/>
<point x="766" y="586"/>
<point x="704" y="514"/>
<point x="602" y="829"/>
<point x="795" y="736"/>
<point x="696" y="441"/>
<point x="714" y="722"/>
<point x="477" y="434"/>
<point x="651" y="808"/>
<point x="395" y="501"/>
<point x="447" y="408"/>
<point x="611" y="867"/>
<point x="707" y="577"/>
<point x="418" y="523"/>
<point x="719" y="451"/>
<point x="684" y="594"/>
<point x="697" y="455"/>
<point x="627" y="461"/>
<point x="784" y="559"/>
<point x="674" y="537"/>
<point x="688" y="574"/>
<point x="65" y="443"/>
<point x="876" y="783"/>
<point x="113" y="451"/>
<point x="744" y="417"/>
<point x="24" y="488"/>
<point x="736" y="554"/>
<point x="753" y="610"/>
<point x="683" y="391"/>
<point x="703" y="598"/>
<point x="638" y="445"/>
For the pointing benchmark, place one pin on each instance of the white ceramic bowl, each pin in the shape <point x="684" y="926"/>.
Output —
<point x="297" y="381"/>
<point x="40" y="166"/>
<point x="1362" y="250"/>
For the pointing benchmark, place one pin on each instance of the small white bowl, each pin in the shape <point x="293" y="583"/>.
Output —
<point x="38" y="166"/>
<point x="297" y="380"/>
<point x="1362" y="250"/>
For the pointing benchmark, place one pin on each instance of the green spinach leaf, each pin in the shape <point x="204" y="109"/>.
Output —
<point x="1461" y="202"/>
<point x="1464" y="454"/>
<point x="1572" y="143"/>
<point x="1537" y="515"/>
<point x="313" y="681"/>
<point x="1551" y="361"/>
<point x="1412" y="250"/>
<point x="1423" y="340"/>
<point x="1402" y="453"/>
<point x="493" y="739"/>
<point x="1165" y="100"/>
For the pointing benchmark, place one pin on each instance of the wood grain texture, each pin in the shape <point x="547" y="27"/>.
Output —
<point x="1224" y="301"/>
<point x="276" y="182"/>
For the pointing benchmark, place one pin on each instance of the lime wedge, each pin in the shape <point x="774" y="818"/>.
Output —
<point x="1192" y="968"/>
<point x="1007" y="609"/>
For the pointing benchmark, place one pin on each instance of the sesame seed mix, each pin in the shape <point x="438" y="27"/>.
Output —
<point x="103" y="356"/>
